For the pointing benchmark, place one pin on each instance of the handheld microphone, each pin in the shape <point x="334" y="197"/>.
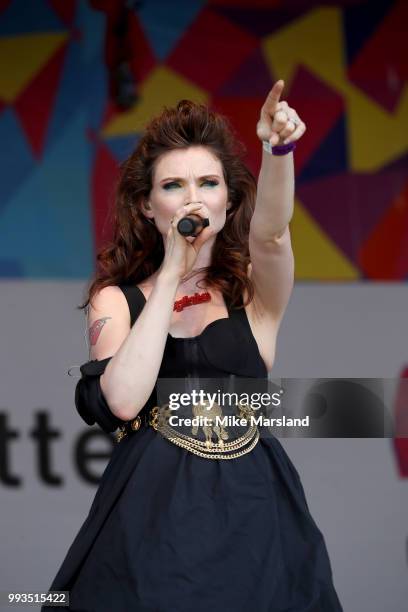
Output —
<point x="192" y="225"/>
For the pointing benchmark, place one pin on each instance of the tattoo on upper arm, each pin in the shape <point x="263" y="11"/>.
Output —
<point x="96" y="329"/>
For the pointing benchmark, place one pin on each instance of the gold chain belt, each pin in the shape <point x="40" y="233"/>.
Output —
<point x="208" y="449"/>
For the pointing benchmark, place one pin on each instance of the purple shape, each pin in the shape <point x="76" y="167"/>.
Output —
<point x="252" y="78"/>
<point x="349" y="206"/>
<point x="330" y="157"/>
<point x="260" y="21"/>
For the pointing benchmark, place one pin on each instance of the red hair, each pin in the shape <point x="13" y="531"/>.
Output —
<point x="136" y="250"/>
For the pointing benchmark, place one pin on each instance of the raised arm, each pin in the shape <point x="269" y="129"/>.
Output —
<point x="269" y="237"/>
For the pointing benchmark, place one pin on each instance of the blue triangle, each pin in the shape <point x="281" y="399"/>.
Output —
<point x="29" y="16"/>
<point x="17" y="163"/>
<point x="165" y="22"/>
<point x="331" y="156"/>
<point x="122" y="146"/>
<point x="47" y="227"/>
<point x="83" y="81"/>
<point x="71" y="92"/>
<point x="360" y="21"/>
<point x="95" y="93"/>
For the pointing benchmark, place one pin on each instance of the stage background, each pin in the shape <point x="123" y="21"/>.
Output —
<point x="345" y="69"/>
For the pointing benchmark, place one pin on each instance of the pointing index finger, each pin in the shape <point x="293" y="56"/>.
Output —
<point x="273" y="96"/>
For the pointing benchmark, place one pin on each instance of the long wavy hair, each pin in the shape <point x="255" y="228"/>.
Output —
<point x="136" y="250"/>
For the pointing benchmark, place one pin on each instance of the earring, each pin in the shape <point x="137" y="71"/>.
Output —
<point x="150" y="221"/>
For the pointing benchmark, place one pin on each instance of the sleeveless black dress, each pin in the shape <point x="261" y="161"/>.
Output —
<point x="169" y="531"/>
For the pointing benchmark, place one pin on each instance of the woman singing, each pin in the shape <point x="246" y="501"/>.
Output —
<point x="183" y="523"/>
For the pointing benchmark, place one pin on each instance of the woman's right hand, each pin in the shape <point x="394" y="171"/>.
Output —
<point x="181" y="251"/>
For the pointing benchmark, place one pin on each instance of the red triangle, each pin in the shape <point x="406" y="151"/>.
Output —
<point x="384" y="255"/>
<point x="381" y="69"/>
<point x="104" y="176"/>
<point x="401" y="425"/>
<point x="243" y="113"/>
<point x="142" y="57"/>
<point x="306" y="94"/>
<point x="223" y="44"/>
<point x="34" y="105"/>
<point x="65" y="9"/>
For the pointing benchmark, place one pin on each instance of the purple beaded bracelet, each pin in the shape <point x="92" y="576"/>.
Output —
<point x="279" y="149"/>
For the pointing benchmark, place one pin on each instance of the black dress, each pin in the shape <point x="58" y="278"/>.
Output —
<point x="170" y="531"/>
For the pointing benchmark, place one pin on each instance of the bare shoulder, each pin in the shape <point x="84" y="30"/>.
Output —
<point x="108" y="322"/>
<point x="111" y="293"/>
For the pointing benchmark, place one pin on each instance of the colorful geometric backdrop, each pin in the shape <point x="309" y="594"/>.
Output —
<point x="345" y="67"/>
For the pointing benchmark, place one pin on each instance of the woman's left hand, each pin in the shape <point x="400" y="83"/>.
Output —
<point x="279" y="123"/>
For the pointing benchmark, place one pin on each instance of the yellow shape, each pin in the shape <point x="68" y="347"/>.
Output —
<point x="316" y="256"/>
<point x="22" y="57"/>
<point x="163" y="87"/>
<point x="316" y="41"/>
<point x="375" y="136"/>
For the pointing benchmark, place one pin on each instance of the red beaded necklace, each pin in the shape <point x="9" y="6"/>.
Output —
<point x="190" y="300"/>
